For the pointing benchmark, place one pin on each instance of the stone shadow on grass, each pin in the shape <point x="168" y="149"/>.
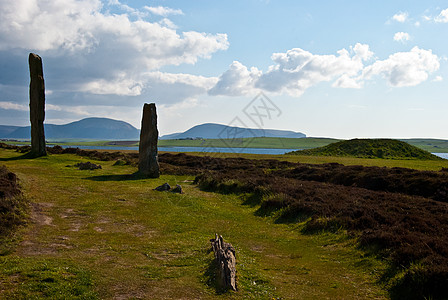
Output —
<point x="28" y="155"/>
<point x="211" y="276"/>
<point x="121" y="177"/>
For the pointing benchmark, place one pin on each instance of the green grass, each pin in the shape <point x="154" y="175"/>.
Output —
<point x="31" y="278"/>
<point x="106" y="234"/>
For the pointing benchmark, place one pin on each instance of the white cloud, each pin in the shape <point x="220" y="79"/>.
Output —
<point x="167" y="23"/>
<point x="52" y="107"/>
<point x="417" y="24"/>
<point x="347" y="82"/>
<point x="164" y="87"/>
<point x="106" y="54"/>
<point x="187" y="79"/>
<point x="401" y="36"/>
<point x="46" y="25"/>
<point x="163" y="11"/>
<point x="121" y="86"/>
<point x="404" y="68"/>
<point x="171" y="88"/>
<point x="237" y="80"/>
<point x="296" y="70"/>
<point x="72" y="110"/>
<point x="178" y="108"/>
<point x="442" y="17"/>
<point x="438" y="78"/>
<point x="400" y="17"/>
<point x="362" y="51"/>
<point x="21" y="107"/>
<point x="13" y="106"/>
<point x="122" y="6"/>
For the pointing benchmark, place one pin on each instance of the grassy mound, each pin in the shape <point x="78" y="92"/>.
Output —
<point x="371" y="148"/>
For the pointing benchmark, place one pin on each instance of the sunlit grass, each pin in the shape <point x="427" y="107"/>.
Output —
<point x="121" y="239"/>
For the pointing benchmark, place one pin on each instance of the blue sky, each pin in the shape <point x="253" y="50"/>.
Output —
<point x="331" y="68"/>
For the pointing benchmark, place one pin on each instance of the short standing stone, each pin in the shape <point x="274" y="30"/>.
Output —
<point x="37" y="105"/>
<point x="163" y="188"/>
<point x="148" y="163"/>
<point x="177" y="189"/>
<point x="226" y="262"/>
<point x="87" y="166"/>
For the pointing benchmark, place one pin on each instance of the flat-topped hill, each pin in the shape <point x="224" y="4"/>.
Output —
<point x="370" y="148"/>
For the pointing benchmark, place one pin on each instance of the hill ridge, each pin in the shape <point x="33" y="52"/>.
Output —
<point x="220" y="131"/>
<point x="88" y="128"/>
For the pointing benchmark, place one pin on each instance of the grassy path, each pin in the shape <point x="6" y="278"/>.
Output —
<point x="102" y="234"/>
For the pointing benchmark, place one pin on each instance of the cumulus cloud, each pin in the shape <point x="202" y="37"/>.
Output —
<point x="400" y="17"/>
<point x="121" y="86"/>
<point x="362" y="51"/>
<point x="163" y="11"/>
<point x="438" y="78"/>
<point x="404" y="68"/>
<point x="401" y="36"/>
<point x="13" y="106"/>
<point x="162" y="87"/>
<point x="125" y="7"/>
<point x="296" y="70"/>
<point x="7" y="105"/>
<point x="237" y="80"/>
<point x="107" y="54"/>
<point x="442" y="17"/>
<point x="347" y="82"/>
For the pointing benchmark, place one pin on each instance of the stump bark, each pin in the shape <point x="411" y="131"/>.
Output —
<point x="148" y="163"/>
<point x="37" y="105"/>
<point x="225" y="259"/>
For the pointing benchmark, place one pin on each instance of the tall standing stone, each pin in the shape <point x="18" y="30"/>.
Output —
<point x="37" y="105"/>
<point x="148" y="163"/>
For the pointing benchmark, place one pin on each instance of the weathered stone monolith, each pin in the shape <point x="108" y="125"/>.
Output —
<point x="226" y="262"/>
<point x="37" y="105"/>
<point x="148" y="164"/>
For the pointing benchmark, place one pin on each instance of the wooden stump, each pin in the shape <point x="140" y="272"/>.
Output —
<point x="225" y="259"/>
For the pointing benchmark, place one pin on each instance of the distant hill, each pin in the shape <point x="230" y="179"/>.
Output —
<point x="6" y="130"/>
<point x="430" y="145"/>
<point x="90" y="128"/>
<point x="218" y="131"/>
<point x="371" y="148"/>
